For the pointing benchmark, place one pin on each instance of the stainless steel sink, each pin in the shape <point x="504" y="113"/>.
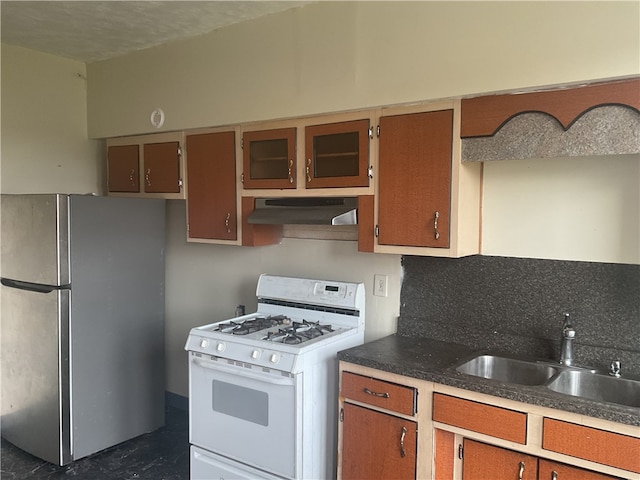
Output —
<point x="508" y="370"/>
<point x="602" y="388"/>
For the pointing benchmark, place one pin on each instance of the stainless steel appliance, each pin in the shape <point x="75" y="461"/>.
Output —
<point x="263" y="386"/>
<point x="82" y="330"/>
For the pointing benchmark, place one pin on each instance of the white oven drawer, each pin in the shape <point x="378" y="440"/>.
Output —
<point x="207" y="466"/>
<point x="244" y="414"/>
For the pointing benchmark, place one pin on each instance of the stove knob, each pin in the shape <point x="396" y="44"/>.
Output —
<point x="204" y="343"/>
<point x="220" y="347"/>
<point x="274" y="358"/>
<point x="255" y="354"/>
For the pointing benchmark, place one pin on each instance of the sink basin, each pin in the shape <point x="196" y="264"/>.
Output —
<point x="602" y="388"/>
<point x="509" y="370"/>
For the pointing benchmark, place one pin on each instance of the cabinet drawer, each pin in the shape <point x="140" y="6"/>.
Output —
<point x="478" y="417"/>
<point x="378" y="393"/>
<point x="588" y="443"/>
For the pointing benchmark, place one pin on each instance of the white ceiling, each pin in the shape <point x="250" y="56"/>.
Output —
<point x="89" y="31"/>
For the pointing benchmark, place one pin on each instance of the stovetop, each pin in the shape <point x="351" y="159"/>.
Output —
<point x="275" y="328"/>
<point x="297" y="321"/>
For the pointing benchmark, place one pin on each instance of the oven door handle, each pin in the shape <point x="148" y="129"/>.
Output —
<point x="244" y="373"/>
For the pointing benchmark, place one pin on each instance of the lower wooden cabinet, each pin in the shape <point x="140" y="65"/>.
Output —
<point x="548" y="470"/>
<point x="483" y="462"/>
<point x="377" y="445"/>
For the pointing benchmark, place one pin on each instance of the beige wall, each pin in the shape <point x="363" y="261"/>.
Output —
<point x="326" y="57"/>
<point x="334" y="56"/>
<point x="45" y="147"/>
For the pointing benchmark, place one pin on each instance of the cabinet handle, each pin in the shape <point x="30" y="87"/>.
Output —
<point x="370" y="171"/>
<point x="147" y="177"/>
<point x="226" y="222"/>
<point x="403" y="433"/>
<point x="308" y="170"/>
<point x="521" y="471"/>
<point x="290" y="171"/>
<point x="133" y="183"/>
<point x="375" y="394"/>
<point x="554" y="475"/>
<point x="436" y="233"/>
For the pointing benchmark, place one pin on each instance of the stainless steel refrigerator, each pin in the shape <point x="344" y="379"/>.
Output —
<point x="82" y="327"/>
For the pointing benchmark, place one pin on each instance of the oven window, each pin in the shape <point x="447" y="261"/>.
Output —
<point x="241" y="402"/>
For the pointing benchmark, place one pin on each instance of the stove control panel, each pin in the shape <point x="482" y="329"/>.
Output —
<point x="238" y="352"/>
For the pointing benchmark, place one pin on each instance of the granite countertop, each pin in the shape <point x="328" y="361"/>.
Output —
<point x="433" y="360"/>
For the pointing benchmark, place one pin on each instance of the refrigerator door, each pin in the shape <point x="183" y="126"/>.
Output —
<point x="35" y="238"/>
<point x="35" y="387"/>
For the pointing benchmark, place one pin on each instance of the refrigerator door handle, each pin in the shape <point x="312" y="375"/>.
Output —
<point x="32" y="287"/>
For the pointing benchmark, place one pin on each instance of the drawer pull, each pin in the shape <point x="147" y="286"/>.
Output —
<point x="402" y="435"/>
<point x="521" y="471"/>
<point x="375" y="394"/>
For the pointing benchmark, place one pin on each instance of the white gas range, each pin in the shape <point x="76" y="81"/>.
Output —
<point x="263" y="386"/>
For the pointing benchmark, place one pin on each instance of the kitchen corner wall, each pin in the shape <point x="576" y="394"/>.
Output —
<point x="206" y="282"/>
<point x="516" y="305"/>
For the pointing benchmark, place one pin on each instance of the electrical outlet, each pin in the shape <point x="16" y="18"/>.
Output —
<point x="380" y="285"/>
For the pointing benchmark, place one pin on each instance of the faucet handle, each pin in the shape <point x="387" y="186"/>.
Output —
<point x="567" y="329"/>
<point x="615" y="370"/>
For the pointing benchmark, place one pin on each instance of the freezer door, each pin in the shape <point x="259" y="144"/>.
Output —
<point x="35" y="371"/>
<point x="35" y="238"/>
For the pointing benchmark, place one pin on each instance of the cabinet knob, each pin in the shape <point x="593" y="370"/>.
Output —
<point x="403" y="433"/>
<point x="521" y="471"/>
<point x="227" y="222"/>
<point x="290" y="171"/>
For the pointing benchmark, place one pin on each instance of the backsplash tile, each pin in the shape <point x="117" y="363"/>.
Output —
<point x="517" y="305"/>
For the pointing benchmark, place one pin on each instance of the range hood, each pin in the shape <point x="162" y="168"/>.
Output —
<point x="305" y="211"/>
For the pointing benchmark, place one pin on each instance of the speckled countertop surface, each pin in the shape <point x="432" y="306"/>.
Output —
<point x="435" y="361"/>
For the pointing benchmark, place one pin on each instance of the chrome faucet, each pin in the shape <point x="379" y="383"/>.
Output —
<point x="568" y="334"/>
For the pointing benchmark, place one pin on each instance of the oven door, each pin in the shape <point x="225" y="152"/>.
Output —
<point x="245" y="414"/>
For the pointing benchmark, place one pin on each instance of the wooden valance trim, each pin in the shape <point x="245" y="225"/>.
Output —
<point x="484" y="116"/>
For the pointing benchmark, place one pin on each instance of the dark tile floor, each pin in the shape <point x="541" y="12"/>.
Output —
<point x="160" y="455"/>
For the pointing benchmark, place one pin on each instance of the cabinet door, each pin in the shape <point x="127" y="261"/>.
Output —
<point x="123" y="164"/>
<point x="415" y="179"/>
<point x="548" y="470"/>
<point x="377" y="446"/>
<point x="337" y="154"/>
<point x="269" y="158"/>
<point x="162" y="167"/>
<point x="211" y="175"/>
<point x="483" y="462"/>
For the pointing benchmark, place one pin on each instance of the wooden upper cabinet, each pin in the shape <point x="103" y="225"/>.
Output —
<point x="211" y="176"/>
<point x="146" y="166"/>
<point x="269" y="158"/>
<point x="123" y="164"/>
<point x="414" y="179"/>
<point x="484" y="116"/>
<point x="162" y="167"/>
<point x="337" y="154"/>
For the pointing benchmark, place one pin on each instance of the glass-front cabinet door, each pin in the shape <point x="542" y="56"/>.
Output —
<point x="337" y="154"/>
<point x="269" y="158"/>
